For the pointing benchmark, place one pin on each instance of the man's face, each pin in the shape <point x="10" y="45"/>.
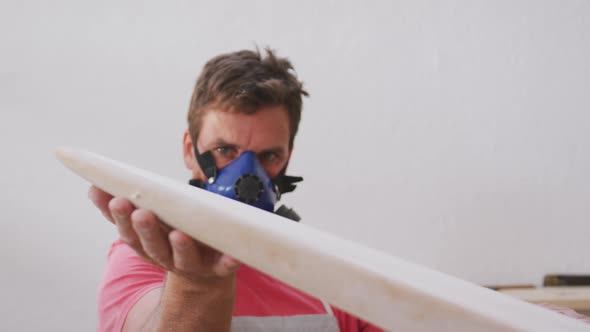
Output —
<point x="227" y="135"/>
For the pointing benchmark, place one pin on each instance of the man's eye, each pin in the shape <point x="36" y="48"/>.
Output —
<point x="223" y="150"/>
<point x="269" y="156"/>
<point x="226" y="151"/>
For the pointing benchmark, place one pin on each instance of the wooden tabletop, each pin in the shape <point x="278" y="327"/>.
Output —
<point x="574" y="297"/>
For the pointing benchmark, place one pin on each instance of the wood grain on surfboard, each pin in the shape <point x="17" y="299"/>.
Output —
<point x="387" y="291"/>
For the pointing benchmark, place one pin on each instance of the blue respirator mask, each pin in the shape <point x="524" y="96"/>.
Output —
<point x="245" y="180"/>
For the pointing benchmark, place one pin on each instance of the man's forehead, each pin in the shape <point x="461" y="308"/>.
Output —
<point x="266" y="129"/>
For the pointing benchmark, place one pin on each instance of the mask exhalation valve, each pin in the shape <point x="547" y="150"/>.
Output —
<point x="248" y="188"/>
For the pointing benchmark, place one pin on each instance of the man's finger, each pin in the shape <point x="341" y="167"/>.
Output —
<point x="121" y="210"/>
<point x="226" y="265"/>
<point x="185" y="253"/>
<point x="101" y="199"/>
<point x="153" y="238"/>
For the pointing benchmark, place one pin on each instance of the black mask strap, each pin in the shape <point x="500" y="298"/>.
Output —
<point x="197" y="183"/>
<point x="207" y="163"/>
<point x="285" y="183"/>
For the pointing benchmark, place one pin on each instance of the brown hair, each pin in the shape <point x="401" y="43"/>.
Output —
<point x="244" y="81"/>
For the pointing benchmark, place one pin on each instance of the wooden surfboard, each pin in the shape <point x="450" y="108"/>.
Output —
<point x="387" y="291"/>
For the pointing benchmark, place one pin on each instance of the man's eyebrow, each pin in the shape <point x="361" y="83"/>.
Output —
<point x="222" y="142"/>
<point x="276" y="150"/>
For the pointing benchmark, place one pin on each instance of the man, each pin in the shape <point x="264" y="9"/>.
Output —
<point x="245" y="112"/>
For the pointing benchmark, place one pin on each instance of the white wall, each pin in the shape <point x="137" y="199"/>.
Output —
<point x="450" y="133"/>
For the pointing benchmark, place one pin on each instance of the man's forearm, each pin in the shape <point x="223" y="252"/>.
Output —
<point x="183" y="305"/>
<point x="190" y="306"/>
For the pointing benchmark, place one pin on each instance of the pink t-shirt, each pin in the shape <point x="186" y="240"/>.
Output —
<point x="128" y="277"/>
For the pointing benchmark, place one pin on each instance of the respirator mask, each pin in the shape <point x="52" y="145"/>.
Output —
<point x="245" y="180"/>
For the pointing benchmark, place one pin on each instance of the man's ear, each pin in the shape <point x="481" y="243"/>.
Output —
<point x="188" y="151"/>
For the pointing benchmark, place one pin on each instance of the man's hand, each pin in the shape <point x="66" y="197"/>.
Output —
<point x="156" y="242"/>
<point x="198" y="276"/>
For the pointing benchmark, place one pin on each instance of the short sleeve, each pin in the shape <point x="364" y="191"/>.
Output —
<point x="127" y="278"/>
